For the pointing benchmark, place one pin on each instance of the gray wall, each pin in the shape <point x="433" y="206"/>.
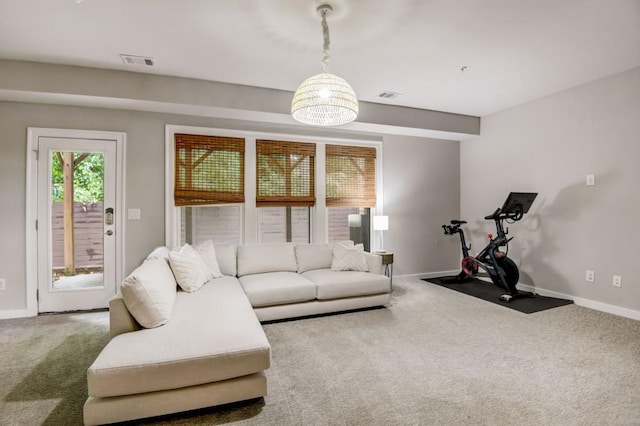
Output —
<point x="421" y="192"/>
<point x="420" y="183"/>
<point x="549" y="146"/>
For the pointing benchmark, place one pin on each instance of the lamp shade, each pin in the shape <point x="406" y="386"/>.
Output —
<point x="324" y="100"/>
<point x="355" y="221"/>
<point x="381" y="223"/>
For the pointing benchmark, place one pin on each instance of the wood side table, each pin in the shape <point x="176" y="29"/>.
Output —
<point x="387" y="261"/>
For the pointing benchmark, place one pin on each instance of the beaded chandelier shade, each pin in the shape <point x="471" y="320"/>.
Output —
<point x="324" y="99"/>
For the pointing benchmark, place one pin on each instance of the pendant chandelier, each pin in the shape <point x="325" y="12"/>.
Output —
<point x="324" y="99"/>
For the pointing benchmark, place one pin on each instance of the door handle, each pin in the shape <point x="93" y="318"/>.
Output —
<point x="109" y="232"/>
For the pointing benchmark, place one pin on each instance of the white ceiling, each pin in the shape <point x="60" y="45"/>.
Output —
<point x="513" y="50"/>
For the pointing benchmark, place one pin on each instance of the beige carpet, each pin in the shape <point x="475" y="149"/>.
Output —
<point x="433" y="357"/>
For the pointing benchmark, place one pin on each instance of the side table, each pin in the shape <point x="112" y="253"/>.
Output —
<point x="387" y="261"/>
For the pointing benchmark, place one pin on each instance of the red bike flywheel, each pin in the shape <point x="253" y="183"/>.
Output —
<point x="469" y="266"/>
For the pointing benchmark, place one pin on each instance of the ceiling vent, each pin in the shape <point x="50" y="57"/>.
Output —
<point x="138" y="60"/>
<point x="389" y="95"/>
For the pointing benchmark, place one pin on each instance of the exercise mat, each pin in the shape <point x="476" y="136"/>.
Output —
<point x="490" y="292"/>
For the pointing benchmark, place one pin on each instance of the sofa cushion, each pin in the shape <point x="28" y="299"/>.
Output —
<point x="349" y="258"/>
<point x="226" y="256"/>
<point x="336" y="284"/>
<point x="316" y="256"/>
<point x="190" y="269"/>
<point x="261" y="258"/>
<point x="277" y="288"/>
<point x="149" y="292"/>
<point x="213" y="335"/>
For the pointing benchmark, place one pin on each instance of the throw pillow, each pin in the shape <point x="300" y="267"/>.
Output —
<point x="159" y="253"/>
<point x="190" y="269"/>
<point x="149" y="293"/>
<point x="208" y="253"/>
<point x="349" y="258"/>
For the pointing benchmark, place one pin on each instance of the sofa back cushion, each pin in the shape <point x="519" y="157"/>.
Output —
<point x="226" y="255"/>
<point x="149" y="293"/>
<point x="316" y="256"/>
<point x="261" y="258"/>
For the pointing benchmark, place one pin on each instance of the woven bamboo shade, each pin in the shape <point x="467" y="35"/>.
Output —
<point x="209" y="170"/>
<point x="285" y="174"/>
<point x="350" y="176"/>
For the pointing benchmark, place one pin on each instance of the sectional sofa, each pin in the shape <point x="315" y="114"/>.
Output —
<point x="178" y="346"/>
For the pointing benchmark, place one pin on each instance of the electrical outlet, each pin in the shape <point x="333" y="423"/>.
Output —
<point x="590" y="276"/>
<point x="3" y="284"/>
<point x="617" y="281"/>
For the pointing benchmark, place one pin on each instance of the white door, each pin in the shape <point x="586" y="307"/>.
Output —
<point x="76" y="223"/>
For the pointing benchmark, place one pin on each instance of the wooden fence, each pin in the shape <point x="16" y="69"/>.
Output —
<point x="89" y="234"/>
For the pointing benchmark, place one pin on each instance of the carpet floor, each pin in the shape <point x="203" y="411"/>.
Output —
<point x="432" y="357"/>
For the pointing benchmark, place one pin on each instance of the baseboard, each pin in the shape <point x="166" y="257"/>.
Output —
<point x="586" y="303"/>
<point x="18" y="313"/>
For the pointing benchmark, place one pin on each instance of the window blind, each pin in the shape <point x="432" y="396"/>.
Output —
<point x="350" y="176"/>
<point x="285" y="175"/>
<point x="208" y="170"/>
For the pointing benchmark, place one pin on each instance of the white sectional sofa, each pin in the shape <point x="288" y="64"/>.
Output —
<point x="207" y="347"/>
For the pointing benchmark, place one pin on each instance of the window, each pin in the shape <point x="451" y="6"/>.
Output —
<point x="351" y="191"/>
<point x="284" y="224"/>
<point x="285" y="179"/>
<point x="285" y="175"/>
<point x="350" y="176"/>
<point x="220" y="223"/>
<point x="209" y="172"/>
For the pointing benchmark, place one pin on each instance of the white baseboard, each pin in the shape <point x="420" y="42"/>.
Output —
<point x="18" y="313"/>
<point x="586" y="303"/>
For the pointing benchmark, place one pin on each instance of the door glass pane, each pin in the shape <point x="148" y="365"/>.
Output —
<point x="77" y="194"/>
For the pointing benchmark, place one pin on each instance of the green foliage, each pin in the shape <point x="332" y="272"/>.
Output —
<point x="88" y="178"/>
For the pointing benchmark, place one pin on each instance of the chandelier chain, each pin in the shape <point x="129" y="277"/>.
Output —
<point x="325" y="46"/>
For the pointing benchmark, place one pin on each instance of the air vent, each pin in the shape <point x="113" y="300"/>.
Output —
<point x="138" y="60"/>
<point x="389" y="95"/>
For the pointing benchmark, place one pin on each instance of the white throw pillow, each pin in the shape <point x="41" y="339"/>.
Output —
<point x="159" y="253"/>
<point x="208" y="253"/>
<point x="190" y="269"/>
<point x="349" y="258"/>
<point x="149" y="293"/>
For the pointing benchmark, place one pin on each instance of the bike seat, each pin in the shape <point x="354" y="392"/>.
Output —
<point x="458" y="222"/>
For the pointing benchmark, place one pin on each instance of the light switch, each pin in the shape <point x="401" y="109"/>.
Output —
<point x="133" y="214"/>
<point x="591" y="180"/>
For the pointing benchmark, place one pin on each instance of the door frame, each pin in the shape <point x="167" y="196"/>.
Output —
<point x="33" y="135"/>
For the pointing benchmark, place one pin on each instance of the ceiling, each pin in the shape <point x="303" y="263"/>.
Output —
<point x="470" y="57"/>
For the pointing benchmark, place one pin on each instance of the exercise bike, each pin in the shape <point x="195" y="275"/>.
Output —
<point x="500" y="268"/>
